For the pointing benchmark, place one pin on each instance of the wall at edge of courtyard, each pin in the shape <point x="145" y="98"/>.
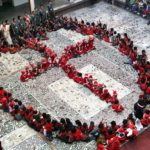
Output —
<point x="18" y="2"/>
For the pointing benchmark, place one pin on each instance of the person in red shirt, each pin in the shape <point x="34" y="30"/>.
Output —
<point x="117" y="107"/>
<point x="24" y="76"/>
<point x="47" y="129"/>
<point x="143" y="84"/>
<point x="4" y="49"/>
<point x="113" y="144"/>
<point x="114" y="127"/>
<point x="103" y="128"/>
<point x="114" y="97"/>
<point x="2" y="92"/>
<point x="121" y="133"/>
<point x="28" y="115"/>
<point x="78" y="135"/>
<point x="146" y="118"/>
<point x="91" y="43"/>
<point x="133" y="55"/>
<point x="4" y="102"/>
<point x="126" y="38"/>
<point x="100" y="145"/>
<point x="106" y="95"/>
<point x="106" y="37"/>
<point x="91" y="126"/>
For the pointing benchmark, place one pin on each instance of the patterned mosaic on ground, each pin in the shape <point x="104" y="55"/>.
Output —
<point x="40" y="93"/>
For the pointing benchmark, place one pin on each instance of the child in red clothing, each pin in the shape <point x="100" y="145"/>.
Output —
<point x="117" y="107"/>
<point x="146" y="118"/>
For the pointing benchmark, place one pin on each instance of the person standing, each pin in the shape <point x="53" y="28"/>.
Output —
<point x="50" y="10"/>
<point x="1" y="148"/>
<point x="7" y="32"/>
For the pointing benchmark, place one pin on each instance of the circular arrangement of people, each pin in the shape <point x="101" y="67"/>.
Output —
<point x="74" y="74"/>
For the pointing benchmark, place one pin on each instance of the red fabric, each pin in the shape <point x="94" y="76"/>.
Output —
<point x="4" y="50"/>
<point x="114" y="144"/>
<point x="4" y="102"/>
<point x="117" y="107"/>
<point x="106" y="38"/>
<point x="48" y="127"/>
<point x="145" y="120"/>
<point x="148" y="90"/>
<point x="78" y="135"/>
<point x="100" y="147"/>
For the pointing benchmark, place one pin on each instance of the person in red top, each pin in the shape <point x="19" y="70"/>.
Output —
<point x="114" y="97"/>
<point x="47" y="129"/>
<point x="121" y="133"/>
<point x="106" y="95"/>
<point x="84" y="29"/>
<point x="23" y="76"/>
<point x="4" y="102"/>
<point x="78" y="135"/>
<point x="91" y="43"/>
<point x="91" y="126"/>
<point x="133" y="55"/>
<point x="126" y="38"/>
<point x="146" y="118"/>
<point x="103" y="128"/>
<point x="45" y="64"/>
<point x="90" y="30"/>
<point x="4" y="50"/>
<point x="12" y="49"/>
<point x="113" y="144"/>
<point x="114" y="127"/>
<point x="28" y="115"/>
<point x="106" y="37"/>
<point x="2" y="92"/>
<point x="148" y="88"/>
<point x="117" y="107"/>
<point x="143" y="84"/>
<point x="100" y="146"/>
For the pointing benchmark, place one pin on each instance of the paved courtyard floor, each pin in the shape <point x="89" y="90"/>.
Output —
<point x="53" y="92"/>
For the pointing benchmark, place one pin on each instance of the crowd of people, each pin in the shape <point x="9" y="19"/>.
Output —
<point x="34" y="25"/>
<point x="87" y="80"/>
<point x="107" y="136"/>
<point x="140" y="7"/>
<point x="34" y="70"/>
